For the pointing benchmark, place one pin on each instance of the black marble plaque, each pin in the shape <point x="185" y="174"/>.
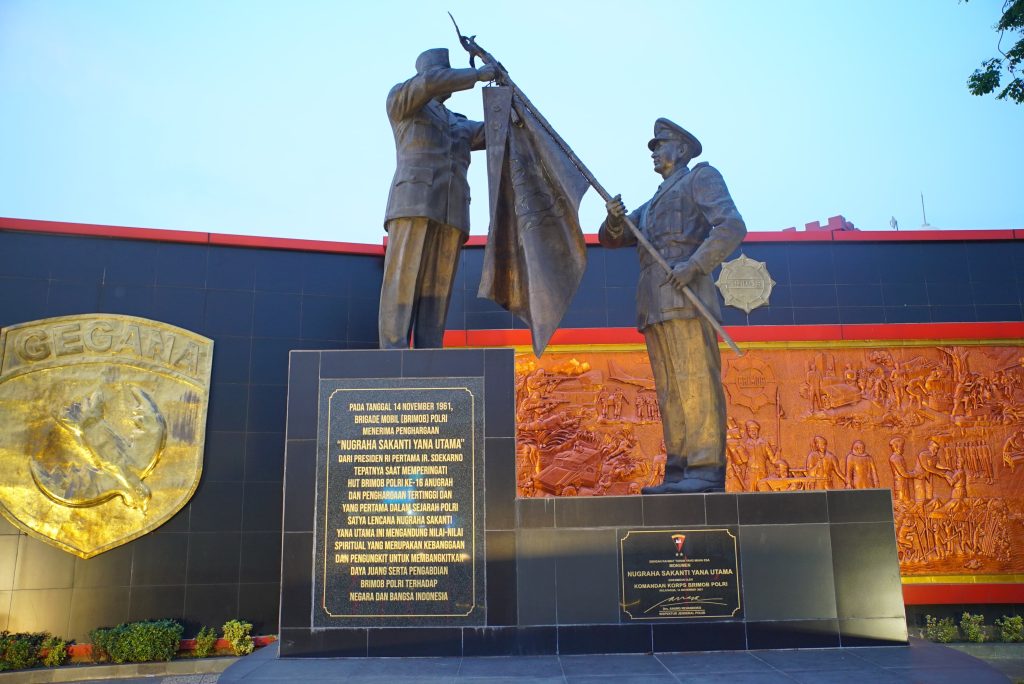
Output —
<point x="399" y="517"/>
<point x="675" y="574"/>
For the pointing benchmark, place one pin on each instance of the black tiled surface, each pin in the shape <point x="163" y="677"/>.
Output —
<point x="269" y="356"/>
<point x="673" y="510"/>
<point x="535" y="512"/>
<point x="400" y="642"/>
<point x="362" y="364"/>
<point x="41" y="566"/>
<point x="536" y="551"/>
<point x="261" y="507"/>
<point x="96" y="607"/>
<point x="264" y="456"/>
<point x="866" y="570"/>
<point x="793" y="634"/>
<point x="582" y="639"/>
<point x="598" y="511"/>
<point x="509" y="641"/>
<point x="873" y="631"/>
<point x="208" y="605"/>
<point x="302" y="395"/>
<point x="500" y="482"/>
<point x="296" y="579"/>
<point x="213" y="558"/>
<point x="782" y="507"/>
<point x="860" y="505"/>
<point x="216" y="507"/>
<point x="261" y="559"/>
<point x="109" y="569"/>
<point x="258" y="604"/>
<point x="786" y="571"/>
<point x="587" y="576"/>
<point x="223" y="461"/>
<point x="300" y="479"/>
<point x="502" y="596"/>
<point x="700" y="636"/>
<point x="722" y="509"/>
<point x="159" y="559"/>
<point x="499" y="392"/>
<point x="452" y="363"/>
<point x="157" y="603"/>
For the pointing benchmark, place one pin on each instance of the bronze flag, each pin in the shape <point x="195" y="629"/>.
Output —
<point x="535" y="254"/>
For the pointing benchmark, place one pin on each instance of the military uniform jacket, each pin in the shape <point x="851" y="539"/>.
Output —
<point x="691" y="217"/>
<point x="432" y="147"/>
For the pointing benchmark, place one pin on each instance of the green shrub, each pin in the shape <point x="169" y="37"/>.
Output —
<point x="237" y="634"/>
<point x="971" y="627"/>
<point x="56" y="651"/>
<point x="942" y="631"/>
<point x="20" y="650"/>
<point x="137" y="642"/>
<point x="1011" y="628"/>
<point x="206" y="641"/>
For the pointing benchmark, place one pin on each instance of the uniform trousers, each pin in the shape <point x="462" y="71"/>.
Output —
<point x="419" y="269"/>
<point x="687" y="375"/>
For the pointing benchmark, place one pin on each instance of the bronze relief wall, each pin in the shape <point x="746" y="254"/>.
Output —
<point x="942" y="425"/>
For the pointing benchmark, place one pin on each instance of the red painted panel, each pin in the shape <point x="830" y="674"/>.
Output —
<point x="933" y="331"/>
<point x="756" y="333"/>
<point x="945" y="594"/>
<point x="921" y="235"/>
<point x="59" y="228"/>
<point x="788" y="236"/>
<point x="780" y="333"/>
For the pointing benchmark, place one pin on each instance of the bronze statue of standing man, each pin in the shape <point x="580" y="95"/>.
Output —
<point x="693" y="222"/>
<point x="427" y="217"/>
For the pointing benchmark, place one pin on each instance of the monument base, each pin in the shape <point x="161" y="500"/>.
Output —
<point x="627" y="574"/>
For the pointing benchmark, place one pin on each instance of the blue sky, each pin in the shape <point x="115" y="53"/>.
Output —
<point x="267" y="117"/>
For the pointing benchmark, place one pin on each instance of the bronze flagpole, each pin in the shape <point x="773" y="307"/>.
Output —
<point x="474" y="50"/>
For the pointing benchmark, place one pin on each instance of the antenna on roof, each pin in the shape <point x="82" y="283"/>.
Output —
<point x="924" y="218"/>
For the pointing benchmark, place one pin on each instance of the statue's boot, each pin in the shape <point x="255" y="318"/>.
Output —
<point x="695" y="480"/>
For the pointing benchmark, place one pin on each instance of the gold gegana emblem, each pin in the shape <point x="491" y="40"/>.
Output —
<point x="102" y="425"/>
<point x="745" y="283"/>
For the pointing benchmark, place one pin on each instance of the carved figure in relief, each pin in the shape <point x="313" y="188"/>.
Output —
<point x="823" y="466"/>
<point x="957" y="480"/>
<point x="780" y="480"/>
<point x="736" y="457"/>
<point x="814" y="386"/>
<point x="760" y="455"/>
<point x="901" y="477"/>
<point x="1013" y="449"/>
<point x="928" y="468"/>
<point x="860" y="468"/>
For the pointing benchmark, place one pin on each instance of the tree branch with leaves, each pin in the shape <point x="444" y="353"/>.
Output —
<point x="989" y="77"/>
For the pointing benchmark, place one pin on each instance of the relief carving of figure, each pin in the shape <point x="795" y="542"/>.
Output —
<point x="823" y="466"/>
<point x="901" y="477"/>
<point x="860" y="468"/>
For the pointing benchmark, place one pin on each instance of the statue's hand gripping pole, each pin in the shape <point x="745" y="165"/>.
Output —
<point x="473" y="48"/>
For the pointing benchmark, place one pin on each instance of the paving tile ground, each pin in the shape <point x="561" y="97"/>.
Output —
<point x="919" y="663"/>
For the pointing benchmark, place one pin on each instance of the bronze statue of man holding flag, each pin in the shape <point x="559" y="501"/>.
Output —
<point x="693" y="224"/>
<point x="427" y="216"/>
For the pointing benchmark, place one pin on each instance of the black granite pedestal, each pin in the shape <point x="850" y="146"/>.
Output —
<point x="567" y="575"/>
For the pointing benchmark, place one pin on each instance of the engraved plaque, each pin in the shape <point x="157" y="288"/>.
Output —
<point x="672" y="574"/>
<point x="399" y="523"/>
